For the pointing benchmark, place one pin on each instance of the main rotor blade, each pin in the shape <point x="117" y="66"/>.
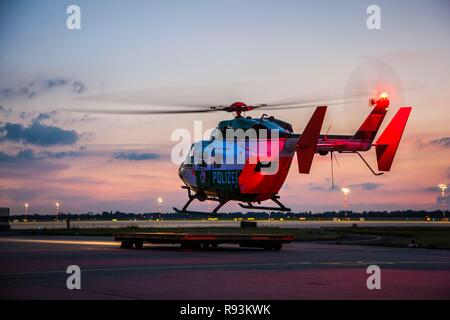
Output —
<point x="131" y="112"/>
<point x="212" y="108"/>
<point x="183" y="97"/>
<point x="355" y="94"/>
<point x="307" y="105"/>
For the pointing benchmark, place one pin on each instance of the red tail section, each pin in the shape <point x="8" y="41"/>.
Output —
<point x="372" y="123"/>
<point x="386" y="146"/>
<point x="306" y="146"/>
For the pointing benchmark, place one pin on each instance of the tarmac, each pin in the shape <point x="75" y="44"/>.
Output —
<point x="34" y="267"/>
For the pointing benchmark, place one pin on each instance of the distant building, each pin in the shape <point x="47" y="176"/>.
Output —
<point x="4" y="219"/>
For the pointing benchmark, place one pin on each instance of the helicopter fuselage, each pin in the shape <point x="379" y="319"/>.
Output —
<point x="227" y="172"/>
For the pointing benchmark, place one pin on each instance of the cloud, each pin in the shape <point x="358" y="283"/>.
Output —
<point x="328" y="188"/>
<point x="87" y="118"/>
<point x="324" y="188"/>
<point x="63" y="154"/>
<point x="24" y="115"/>
<point x="38" y="134"/>
<point x="11" y="131"/>
<point x="366" y="186"/>
<point x="45" y="116"/>
<point x="41" y="116"/>
<point x="54" y="83"/>
<point x="419" y="144"/>
<point x="29" y="154"/>
<point x="26" y="154"/>
<point x="442" y="142"/>
<point x="35" y="87"/>
<point x="5" y="111"/>
<point x="78" y="87"/>
<point x="134" y="156"/>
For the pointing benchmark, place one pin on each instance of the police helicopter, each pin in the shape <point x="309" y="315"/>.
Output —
<point x="252" y="168"/>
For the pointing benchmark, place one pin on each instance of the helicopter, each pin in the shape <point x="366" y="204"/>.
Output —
<point x="247" y="184"/>
<point x="252" y="168"/>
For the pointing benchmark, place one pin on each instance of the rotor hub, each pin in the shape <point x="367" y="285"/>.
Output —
<point x="238" y="107"/>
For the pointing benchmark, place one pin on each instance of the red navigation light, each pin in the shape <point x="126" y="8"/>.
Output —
<point x="383" y="101"/>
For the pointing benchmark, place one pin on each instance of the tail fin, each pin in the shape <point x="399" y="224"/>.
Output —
<point x="387" y="144"/>
<point x="307" y="144"/>
<point x="372" y="123"/>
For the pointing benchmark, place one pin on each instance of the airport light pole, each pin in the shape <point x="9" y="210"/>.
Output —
<point x="160" y="201"/>
<point x="443" y="187"/>
<point x="57" y="210"/>
<point x="346" y="191"/>
<point x="26" y="211"/>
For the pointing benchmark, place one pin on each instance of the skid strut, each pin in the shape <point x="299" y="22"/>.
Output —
<point x="200" y="197"/>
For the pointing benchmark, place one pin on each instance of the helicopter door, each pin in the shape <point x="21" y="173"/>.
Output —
<point x="202" y="166"/>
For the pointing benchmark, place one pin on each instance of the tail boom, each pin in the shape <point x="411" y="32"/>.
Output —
<point x="363" y="138"/>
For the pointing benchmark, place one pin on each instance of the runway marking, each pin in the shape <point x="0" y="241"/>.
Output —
<point x="234" y="266"/>
<point x="363" y="240"/>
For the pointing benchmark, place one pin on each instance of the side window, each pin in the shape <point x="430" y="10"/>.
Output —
<point x="191" y="154"/>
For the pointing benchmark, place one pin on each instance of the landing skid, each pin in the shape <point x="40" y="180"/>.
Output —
<point x="202" y="213"/>
<point x="280" y="207"/>
<point x="200" y="197"/>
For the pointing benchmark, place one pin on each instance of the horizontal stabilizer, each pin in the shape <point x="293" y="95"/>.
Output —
<point x="307" y="143"/>
<point x="386" y="146"/>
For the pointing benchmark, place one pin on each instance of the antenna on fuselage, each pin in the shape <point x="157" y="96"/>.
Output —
<point x="332" y="155"/>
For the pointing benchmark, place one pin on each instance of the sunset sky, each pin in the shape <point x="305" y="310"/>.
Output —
<point x="202" y="51"/>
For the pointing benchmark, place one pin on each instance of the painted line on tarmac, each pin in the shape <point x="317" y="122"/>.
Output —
<point x="361" y="240"/>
